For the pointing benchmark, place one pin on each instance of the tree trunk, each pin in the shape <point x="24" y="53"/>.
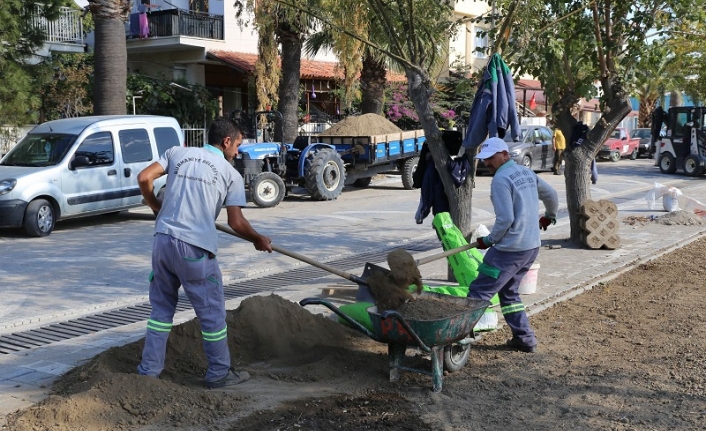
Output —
<point x="578" y="159"/>
<point x="460" y="204"/>
<point x="110" y="66"/>
<point x="289" y="87"/>
<point x="647" y="105"/>
<point x="675" y="99"/>
<point x="373" y="78"/>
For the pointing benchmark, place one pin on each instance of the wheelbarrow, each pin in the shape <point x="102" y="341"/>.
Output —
<point x="448" y="340"/>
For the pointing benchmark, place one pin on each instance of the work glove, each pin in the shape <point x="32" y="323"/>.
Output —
<point x="544" y="222"/>
<point x="483" y="243"/>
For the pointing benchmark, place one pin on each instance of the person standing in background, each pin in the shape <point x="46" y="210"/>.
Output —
<point x="559" y="144"/>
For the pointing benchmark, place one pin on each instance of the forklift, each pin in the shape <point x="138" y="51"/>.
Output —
<point x="683" y="146"/>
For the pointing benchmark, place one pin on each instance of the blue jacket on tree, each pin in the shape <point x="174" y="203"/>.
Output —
<point x="493" y="107"/>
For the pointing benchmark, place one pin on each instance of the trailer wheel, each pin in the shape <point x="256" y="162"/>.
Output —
<point x="362" y="182"/>
<point x="267" y="190"/>
<point x="324" y="175"/>
<point x="667" y="163"/>
<point x="410" y="165"/>
<point x="615" y="156"/>
<point x="692" y="166"/>
<point x="456" y="357"/>
<point x="39" y="218"/>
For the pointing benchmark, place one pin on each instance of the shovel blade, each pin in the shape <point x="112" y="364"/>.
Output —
<point x="364" y="294"/>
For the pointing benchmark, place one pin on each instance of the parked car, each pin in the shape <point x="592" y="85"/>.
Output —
<point x="645" y="136"/>
<point x="533" y="150"/>
<point x="619" y="145"/>
<point x="77" y="167"/>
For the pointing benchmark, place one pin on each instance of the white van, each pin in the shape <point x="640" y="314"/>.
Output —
<point x="80" y="166"/>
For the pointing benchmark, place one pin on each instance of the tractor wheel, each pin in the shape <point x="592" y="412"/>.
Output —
<point x="615" y="156"/>
<point x="267" y="190"/>
<point x="410" y="165"/>
<point x="692" y="166"/>
<point x="362" y="182"/>
<point x="633" y="155"/>
<point x="324" y="174"/>
<point x="667" y="164"/>
<point x="39" y="218"/>
<point x="456" y="357"/>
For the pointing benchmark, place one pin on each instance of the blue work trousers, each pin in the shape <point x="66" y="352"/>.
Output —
<point x="513" y="266"/>
<point x="176" y="263"/>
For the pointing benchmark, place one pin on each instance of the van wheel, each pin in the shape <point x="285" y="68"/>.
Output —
<point x="39" y="218"/>
<point x="527" y="162"/>
<point x="667" y="164"/>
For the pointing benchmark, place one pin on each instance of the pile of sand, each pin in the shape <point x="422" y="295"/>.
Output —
<point x="362" y="125"/>
<point x="681" y="217"/>
<point x="108" y="394"/>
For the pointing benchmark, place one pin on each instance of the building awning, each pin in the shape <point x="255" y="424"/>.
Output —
<point x="309" y="69"/>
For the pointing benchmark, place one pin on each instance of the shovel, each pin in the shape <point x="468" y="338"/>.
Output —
<point x="363" y="288"/>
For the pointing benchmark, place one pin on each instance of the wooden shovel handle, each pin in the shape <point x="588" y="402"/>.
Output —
<point x="299" y="257"/>
<point x="447" y="253"/>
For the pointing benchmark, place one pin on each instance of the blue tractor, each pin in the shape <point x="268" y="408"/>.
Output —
<point x="322" y="165"/>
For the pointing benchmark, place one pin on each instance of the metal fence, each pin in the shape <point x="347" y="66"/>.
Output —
<point x="194" y="137"/>
<point x="67" y="28"/>
<point x="178" y="22"/>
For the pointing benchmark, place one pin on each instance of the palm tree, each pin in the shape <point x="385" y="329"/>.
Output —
<point x="289" y="26"/>
<point x="110" y="58"/>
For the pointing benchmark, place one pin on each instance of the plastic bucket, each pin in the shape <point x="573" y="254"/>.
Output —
<point x="528" y="284"/>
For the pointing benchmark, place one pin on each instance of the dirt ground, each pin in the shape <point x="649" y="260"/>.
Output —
<point x="628" y="355"/>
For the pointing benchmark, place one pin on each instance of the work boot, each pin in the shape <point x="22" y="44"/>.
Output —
<point x="231" y="379"/>
<point x="516" y="344"/>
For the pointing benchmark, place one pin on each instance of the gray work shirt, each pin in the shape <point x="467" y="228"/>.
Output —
<point x="199" y="182"/>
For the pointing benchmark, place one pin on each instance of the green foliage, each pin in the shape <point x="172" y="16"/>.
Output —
<point x="190" y="104"/>
<point x="19" y="40"/>
<point x="65" y="86"/>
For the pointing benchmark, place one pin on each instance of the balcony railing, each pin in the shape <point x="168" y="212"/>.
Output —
<point x="68" y="28"/>
<point x="179" y="22"/>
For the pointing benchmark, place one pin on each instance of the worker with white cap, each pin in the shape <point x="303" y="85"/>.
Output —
<point x="513" y="243"/>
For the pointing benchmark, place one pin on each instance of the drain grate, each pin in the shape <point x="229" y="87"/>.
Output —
<point x="57" y="332"/>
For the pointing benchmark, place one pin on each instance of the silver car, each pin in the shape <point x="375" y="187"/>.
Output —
<point x="80" y="166"/>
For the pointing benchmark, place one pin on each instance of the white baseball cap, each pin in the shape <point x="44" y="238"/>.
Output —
<point x="490" y="147"/>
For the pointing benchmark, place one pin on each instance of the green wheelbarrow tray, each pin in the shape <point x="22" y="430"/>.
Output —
<point x="447" y="340"/>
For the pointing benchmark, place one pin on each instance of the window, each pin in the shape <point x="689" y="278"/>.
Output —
<point x="98" y="147"/>
<point x="135" y="145"/>
<point x="481" y="43"/>
<point x="166" y="138"/>
<point x="679" y="121"/>
<point x="40" y="150"/>
<point x="546" y="134"/>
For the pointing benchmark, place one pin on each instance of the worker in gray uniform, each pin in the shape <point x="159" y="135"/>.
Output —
<point x="199" y="182"/>
<point x="513" y="243"/>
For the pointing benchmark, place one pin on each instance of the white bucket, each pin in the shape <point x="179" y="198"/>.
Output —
<point x="528" y="284"/>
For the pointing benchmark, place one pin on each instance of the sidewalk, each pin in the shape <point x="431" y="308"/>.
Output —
<point x="566" y="271"/>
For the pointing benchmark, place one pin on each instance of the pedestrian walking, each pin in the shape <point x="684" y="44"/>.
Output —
<point x="200" y="182"/>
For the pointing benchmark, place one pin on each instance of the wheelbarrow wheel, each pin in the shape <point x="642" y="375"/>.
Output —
<point x="456" y="356"/>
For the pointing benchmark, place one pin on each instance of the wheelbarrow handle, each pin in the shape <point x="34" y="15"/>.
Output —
<point x="355" y="324"/>
<point x="447" y="253"/>
<point x="299" y="257"/>
<point x="392" y="313"/>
